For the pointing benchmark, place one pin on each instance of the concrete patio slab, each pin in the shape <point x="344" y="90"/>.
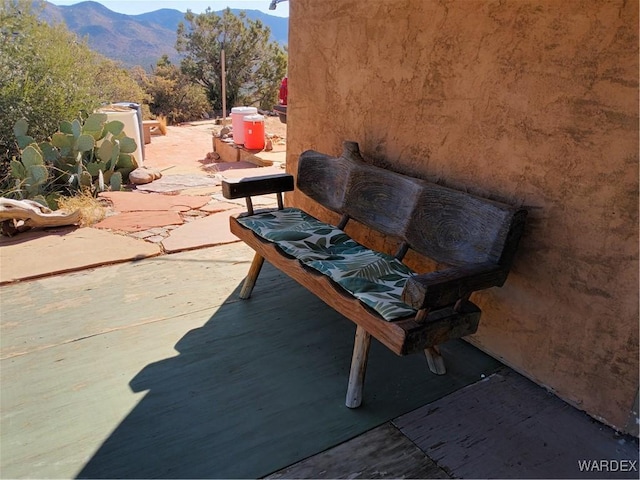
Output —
<point x="44" y="252"/>
<point x="276" y="156"/>
<point x="139" y="221"/>
<point x="262" y="201"/>
<point x="183" y="149"/>
<point x="141" y="370"/>
<point x="203" y="232"/>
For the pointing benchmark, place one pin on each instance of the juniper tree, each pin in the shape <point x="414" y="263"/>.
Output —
<point x="254" y="64"/>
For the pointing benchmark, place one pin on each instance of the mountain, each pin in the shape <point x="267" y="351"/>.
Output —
<point x="138" y="39"/>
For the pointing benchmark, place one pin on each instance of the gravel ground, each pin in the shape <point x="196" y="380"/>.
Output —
<point x="275" y="126"/>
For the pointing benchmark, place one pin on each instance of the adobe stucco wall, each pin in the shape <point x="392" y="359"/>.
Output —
<point x="529" y="102"/>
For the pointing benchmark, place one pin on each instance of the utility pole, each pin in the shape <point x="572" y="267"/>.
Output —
<point x="224" y="86"/>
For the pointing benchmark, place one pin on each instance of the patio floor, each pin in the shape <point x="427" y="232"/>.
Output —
<point x="152" y="368"/>
<point x="155" y="369"/>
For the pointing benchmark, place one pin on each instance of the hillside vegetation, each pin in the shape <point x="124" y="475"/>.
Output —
<point x="51" y="81"/>
<point x="139" y="39"/>
<point x="48" y="75"/>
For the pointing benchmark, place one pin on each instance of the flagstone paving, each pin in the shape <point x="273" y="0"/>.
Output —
<point x="52" y="251"/>
<point x="136" y="201"/>
<point x="200" y="233"/>
<point x="181" y="183"/>
<point x="182" y="211"/>
<point x="139" y="221"/>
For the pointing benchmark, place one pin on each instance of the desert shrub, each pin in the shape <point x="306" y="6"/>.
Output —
<point x="173" y="94"/>
<point x="91" y="209"/>
<point x="113" y="83"/>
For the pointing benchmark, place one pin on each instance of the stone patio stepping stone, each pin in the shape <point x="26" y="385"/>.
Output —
<point x="203" y="232"/>
<point x="138" y="221"/>
<point x="43" y="252"/>
<point x="218" y="206"/>
<point x="136" y="201"/>
<point x="176" y="183"/>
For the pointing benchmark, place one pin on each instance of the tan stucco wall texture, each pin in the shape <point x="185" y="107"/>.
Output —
<point x="533" y="103"/>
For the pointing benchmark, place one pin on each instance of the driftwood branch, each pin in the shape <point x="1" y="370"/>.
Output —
<point x="34" y="214"/>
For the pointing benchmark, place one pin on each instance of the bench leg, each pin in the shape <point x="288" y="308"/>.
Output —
<point x="435" y="360"/>
<point x="358" y="367"/>
<point x="252" y="276"/>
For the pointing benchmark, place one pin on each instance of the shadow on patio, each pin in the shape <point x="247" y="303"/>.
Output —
<point x="261" y="386"/>
<point x="92" y="386"/>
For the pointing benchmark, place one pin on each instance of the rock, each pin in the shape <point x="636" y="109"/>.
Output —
<point x="212" y="157"/>
<point x="268" y="145"/>
<point x="143" y="175"/>
<point x="225" y="131"/>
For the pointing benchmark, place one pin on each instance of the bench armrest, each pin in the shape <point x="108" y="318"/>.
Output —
<point x="445" y="287"/>
<point x="249" y="187"/>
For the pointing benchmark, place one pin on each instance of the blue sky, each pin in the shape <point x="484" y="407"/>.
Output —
<point x="134" y="7"/>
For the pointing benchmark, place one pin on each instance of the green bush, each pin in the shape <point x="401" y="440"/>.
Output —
<point x="173" y="94"/>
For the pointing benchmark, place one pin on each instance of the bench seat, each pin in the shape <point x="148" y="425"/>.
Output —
<point x="402" y="336"/>
<point x="374" y="278"/>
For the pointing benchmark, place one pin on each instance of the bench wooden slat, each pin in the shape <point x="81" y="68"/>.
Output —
<point x="324" y="182"/>
<point x="449" y="226"/>
<point x="374" y="200"/>
<point x="457" y="228"/>
<point x="264" y="185"/>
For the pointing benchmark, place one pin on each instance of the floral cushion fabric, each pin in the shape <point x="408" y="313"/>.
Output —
<point x="376" y="279"/>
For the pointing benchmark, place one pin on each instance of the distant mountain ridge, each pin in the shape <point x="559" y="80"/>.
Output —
<point x="138" y="39"/>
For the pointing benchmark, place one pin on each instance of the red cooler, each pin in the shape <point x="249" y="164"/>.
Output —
<point x="237" y="114"/>
<point x="253" y="132"/>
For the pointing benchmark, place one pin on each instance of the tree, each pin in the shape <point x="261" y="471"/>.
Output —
<point x="173" y="94"/>
<point x="113" y="83"/>
<point x="254" y="65"/>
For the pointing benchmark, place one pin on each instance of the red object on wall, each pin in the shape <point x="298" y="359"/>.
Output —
<point x="282" y="97"/>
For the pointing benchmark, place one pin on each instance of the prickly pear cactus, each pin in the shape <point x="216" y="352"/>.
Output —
<point x="93" y="154"/>
<point x="30" y="174"/>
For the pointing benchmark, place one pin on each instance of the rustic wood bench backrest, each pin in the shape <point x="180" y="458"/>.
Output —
<point x="446" y="225"/>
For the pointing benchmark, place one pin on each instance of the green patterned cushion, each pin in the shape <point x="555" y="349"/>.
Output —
<point x="299" y="234"/>
<point x="376" y="279"/>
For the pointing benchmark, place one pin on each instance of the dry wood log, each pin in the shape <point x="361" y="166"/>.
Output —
<point x="34" y="214"/>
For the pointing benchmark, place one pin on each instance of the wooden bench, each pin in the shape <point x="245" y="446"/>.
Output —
<point x="147" y="126"/>
<point x="472" y="240"/>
